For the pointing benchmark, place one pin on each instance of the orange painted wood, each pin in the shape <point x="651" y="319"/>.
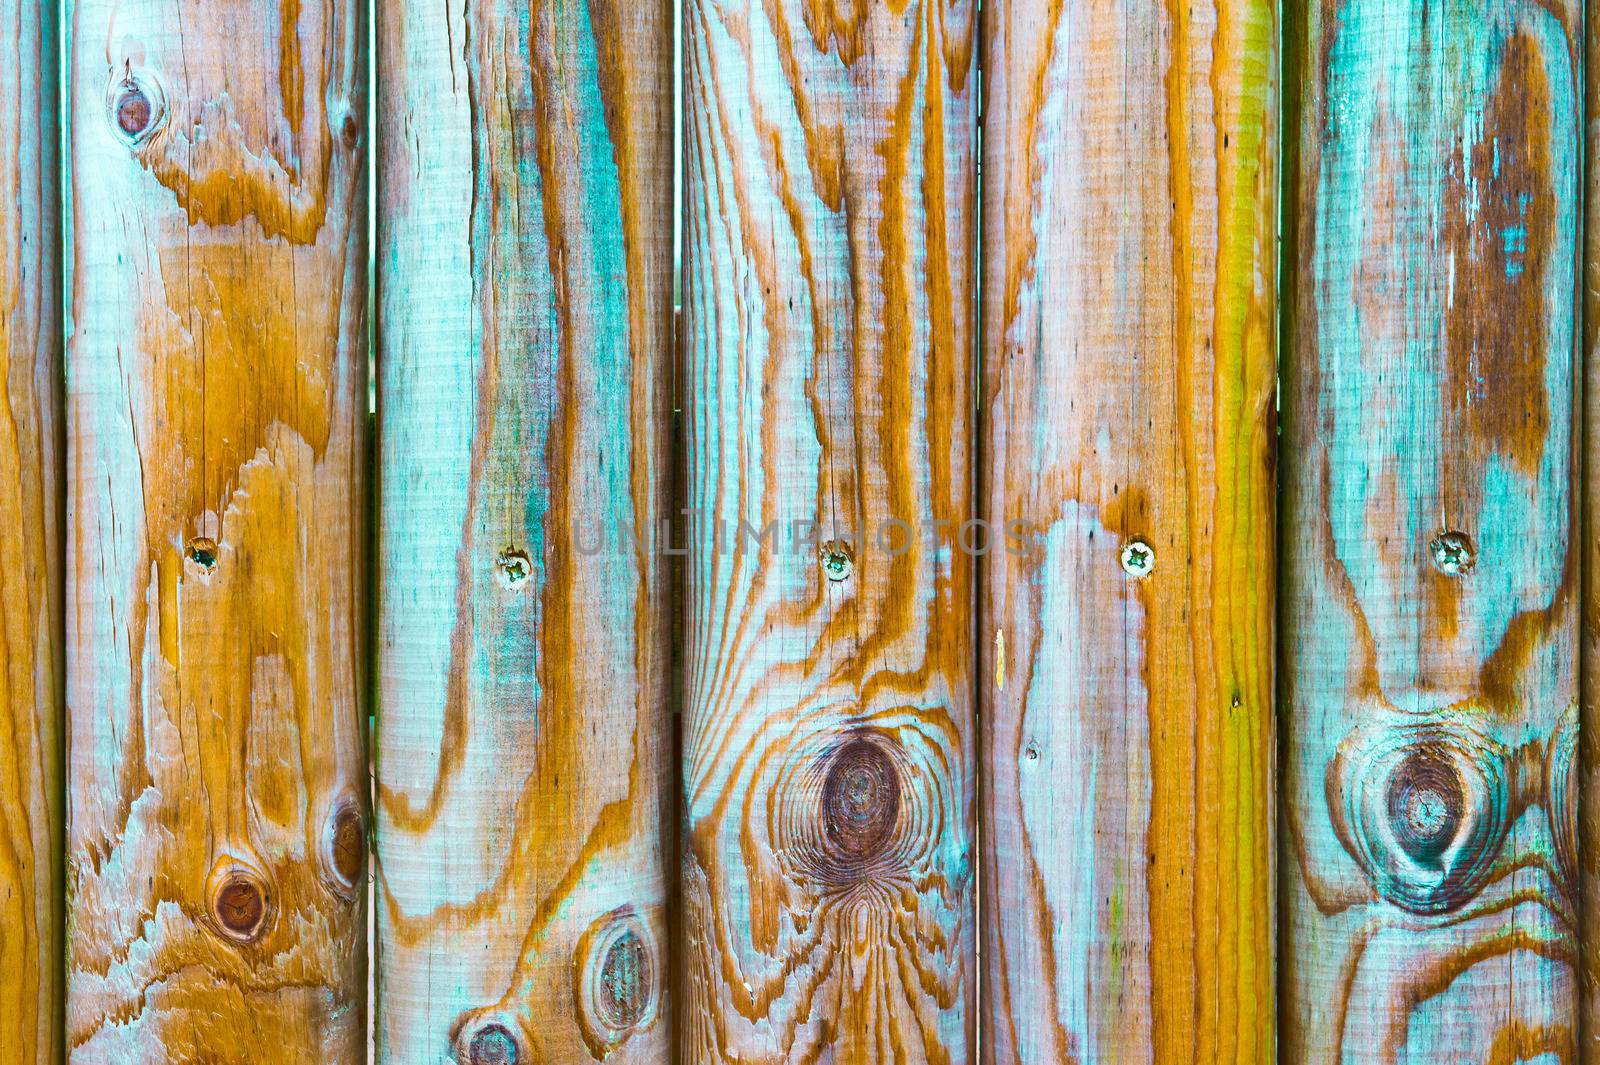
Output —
<point x="524" y="728"/>
<point x="31" y="651"/>
<point x="1129" y="266"/>
<point x="829" y="280"/>
<point x="216" y="414"/>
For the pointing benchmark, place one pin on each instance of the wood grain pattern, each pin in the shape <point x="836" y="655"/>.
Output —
<point x="829" y="251"/>
<point x="524" y="738"/>
<point x="1585" y="796"/>
<point x="216" y="398"/>
<point x="1130" y="157"/>
<point x="1430" y="585"/>
<point x="31" y="650"/>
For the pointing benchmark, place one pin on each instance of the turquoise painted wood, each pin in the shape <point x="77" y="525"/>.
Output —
<point x="1429" y="574"/>
<point x="216" y="438"/>
<point x="1126" y="427"/>
<point x="829" y="861"/>
<point x="31" y="649"/>
<point x="525" y="274"/>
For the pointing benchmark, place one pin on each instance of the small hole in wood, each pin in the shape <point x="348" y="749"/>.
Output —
<point x="202" y="553"/>
<point x="1453" y="553"/>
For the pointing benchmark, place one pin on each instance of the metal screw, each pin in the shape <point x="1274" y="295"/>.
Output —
<point x="837" y="565"/>
<point x="1138" y="558"/>
<point x="1453" y="553"/>
<point x="515" y="568"/>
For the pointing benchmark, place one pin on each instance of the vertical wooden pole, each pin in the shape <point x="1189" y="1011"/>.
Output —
<point x="830" y="195"/>
<point x="30" y="538"/>
<point x="216" y="398"/>
<point x="1586" y="797"/>
<point x="1127" y="678"/>
<point x="1430" y="579"/>
<point x="525" y="272"/>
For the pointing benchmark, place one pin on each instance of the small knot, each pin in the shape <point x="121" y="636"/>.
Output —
<point x="346" y="846"/>
<point x="624" y="982"/>
<point x="136" y="107"/>
<point x="860" y="800"/>
<point x="1426" y="804"/>
<point x="241" y="907"/>
<point x="492" y="1044"/>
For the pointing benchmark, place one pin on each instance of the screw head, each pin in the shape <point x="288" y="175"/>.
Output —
<point x="1453" y="553"/>
<point x="515" y="568"/>
<point x="1138" y="558"/>
<point x="836" y="560"/>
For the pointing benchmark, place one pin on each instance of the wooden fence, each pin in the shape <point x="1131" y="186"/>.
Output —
<point x="1088" y="573"/>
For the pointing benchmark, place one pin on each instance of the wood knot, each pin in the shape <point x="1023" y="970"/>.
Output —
<point x="345" y="847"/>
<point x="241" y="904"/>
<point x="860" y="800"/>
<point x="350" y="131"/>
<point x="616" y="979"/>
<point x="1423" y="807"/>
<point x="1561" y="776"/>
<point x="493" y="1044"/>
<point x="136" y="107"/>
<point x="1426" y="803"/>
<point x="624" y="981"/>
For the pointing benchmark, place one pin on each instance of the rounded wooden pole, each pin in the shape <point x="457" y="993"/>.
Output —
<point x="216" y="412"/>
<point x="31" y="665"/>
<point x="1130" y="170"/>
<point x="829" y="869"/>
<point x="1430" y="561"/>
<point x="524" y="729"/>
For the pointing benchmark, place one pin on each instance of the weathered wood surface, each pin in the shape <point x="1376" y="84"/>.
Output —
<point x="524" y="744"/>
<point x="1126" y="633"/>
<point x="1587" y="797"/>
<point x="30" y="538"/>
<point x="216" y="397"/>
<point x="1430" y="581"/>
<point x="829" y="250"/>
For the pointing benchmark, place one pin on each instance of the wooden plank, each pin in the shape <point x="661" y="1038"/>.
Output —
<point x="1126" y="634"/>
<point x="216" y="399"/>
<point x="1430" y="582"/>
<point x="1588" y="836"/>
<point x="829" y="250"/>
<point x="524" y="743"/>
<point x="31" y="673"/>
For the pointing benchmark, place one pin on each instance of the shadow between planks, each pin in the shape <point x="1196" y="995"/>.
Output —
<point x="704" y="730"/>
